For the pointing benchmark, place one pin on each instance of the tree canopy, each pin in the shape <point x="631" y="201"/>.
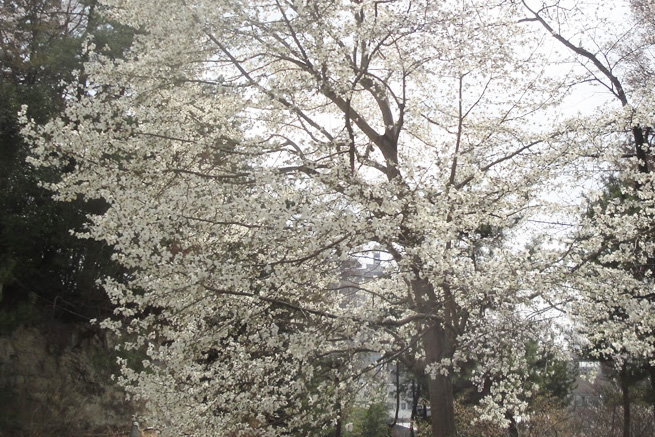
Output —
<point x="246" y="150"/>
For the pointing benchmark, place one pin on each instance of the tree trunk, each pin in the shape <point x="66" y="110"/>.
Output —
<point x="395" y="417"/>
<point x="513" y="429"/>
<point x="625" y="389"/>
<point x="415" y="397"/>
<point x="337" y="431"/>
<point x="392" y="425"/>
<point x="339" y="424"/>
<point x="651" y="374"/>
<point x="438" y="345"/>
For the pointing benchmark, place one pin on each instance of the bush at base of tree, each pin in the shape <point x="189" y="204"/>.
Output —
<point x="371" y="421"/>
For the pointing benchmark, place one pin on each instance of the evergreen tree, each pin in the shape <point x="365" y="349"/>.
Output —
<point x="41" y="264"/>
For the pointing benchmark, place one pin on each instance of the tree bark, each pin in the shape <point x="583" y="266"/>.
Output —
<point x="651" y="374"/>
<point x="625" y="389"/>
<point x="339" y="425"/>
<point x="338" y="428"/>
<point x="392" y="425"/>
<point x="438" y="345"/>
<point x="415" y="397"/>
<point x="513" y="429"/>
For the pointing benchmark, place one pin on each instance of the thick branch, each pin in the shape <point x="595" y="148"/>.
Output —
<point x="271" y="300"/>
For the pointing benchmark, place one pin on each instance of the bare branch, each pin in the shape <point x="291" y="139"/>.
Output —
<point x="616" y="89"/>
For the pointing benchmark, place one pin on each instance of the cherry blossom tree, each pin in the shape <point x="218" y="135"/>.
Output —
<point x="247" y="149"/>
<point x="613" y="253"/>
<point x="614" y="248"/>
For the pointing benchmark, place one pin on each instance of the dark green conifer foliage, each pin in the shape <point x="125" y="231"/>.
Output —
<point x="42" y="266"/>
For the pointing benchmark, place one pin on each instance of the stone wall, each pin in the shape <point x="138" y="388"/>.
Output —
<point x="56" y="381"/>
